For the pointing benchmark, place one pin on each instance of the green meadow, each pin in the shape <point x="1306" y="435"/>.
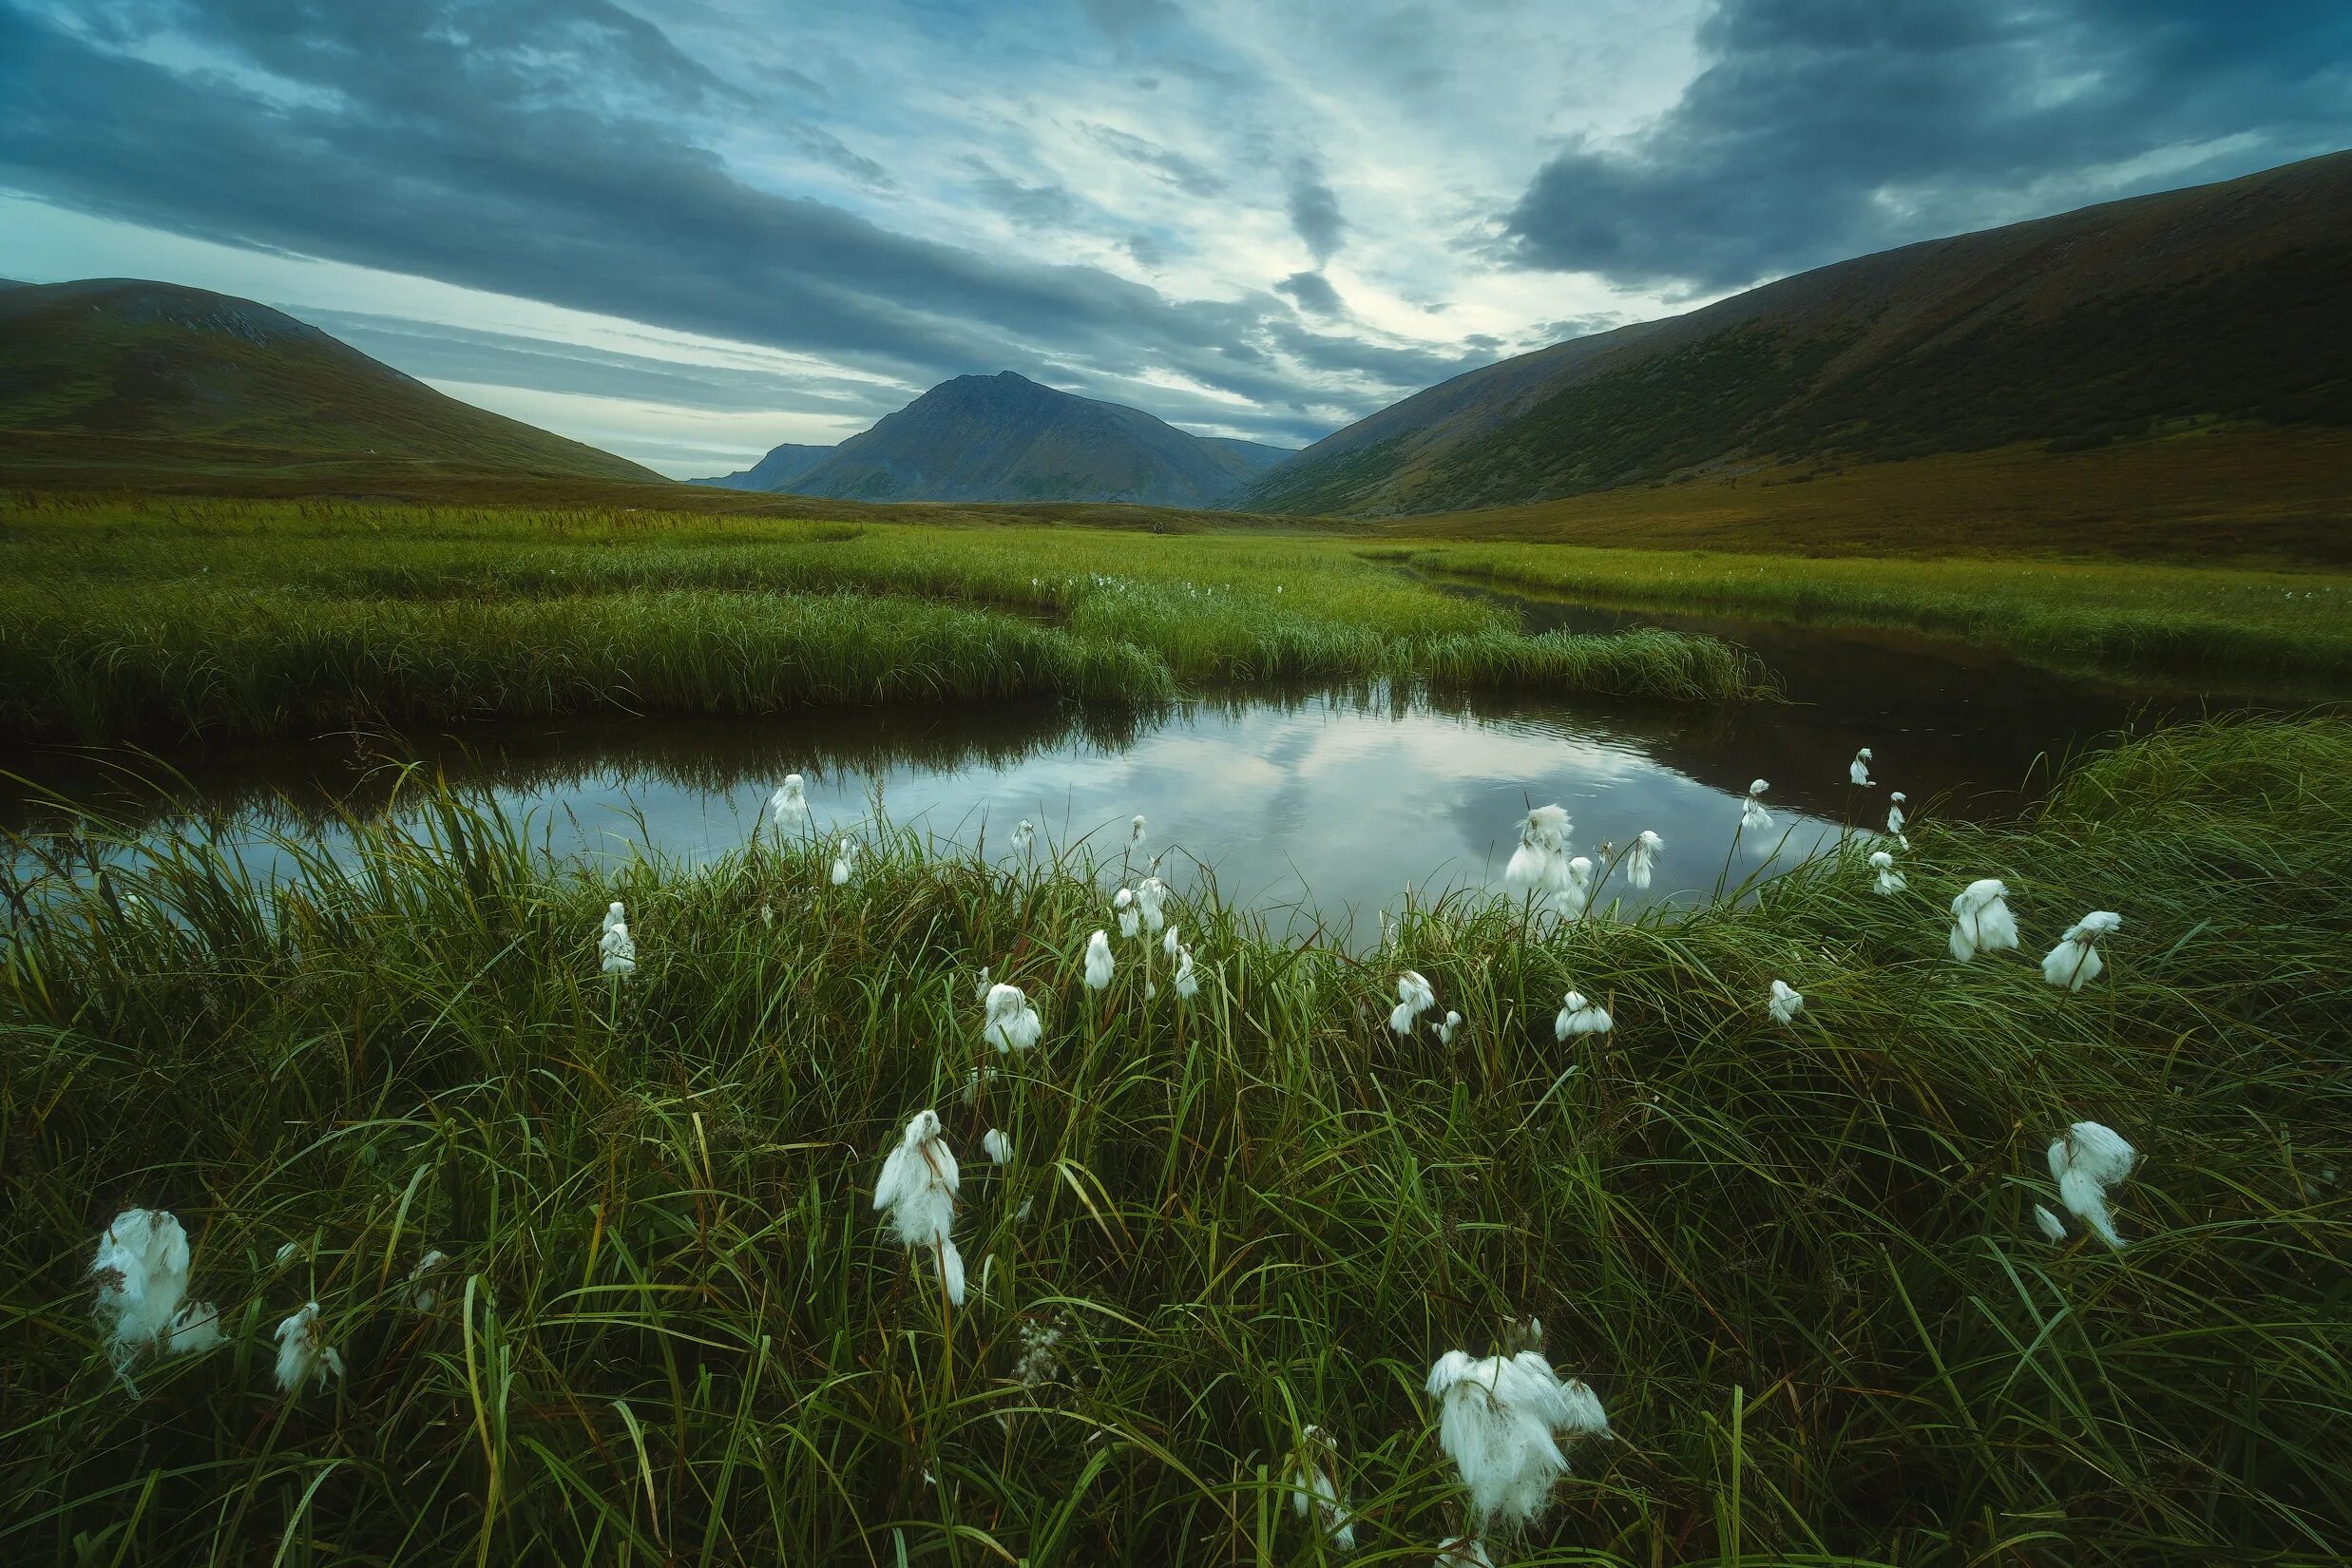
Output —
<point x="1799" y="1265"/>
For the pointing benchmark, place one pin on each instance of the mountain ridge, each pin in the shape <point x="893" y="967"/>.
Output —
<point x="172" y="377"/>
<point x="1006" y="438"/>
<point x="2217" y="301"/>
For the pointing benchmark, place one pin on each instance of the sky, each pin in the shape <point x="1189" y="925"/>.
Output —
<point x="688" y="230"/>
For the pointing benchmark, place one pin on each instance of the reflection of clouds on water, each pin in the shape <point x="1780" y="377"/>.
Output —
<point x="1333" y="804"/>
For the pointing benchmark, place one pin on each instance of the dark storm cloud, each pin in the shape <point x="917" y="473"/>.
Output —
<point x="1823" y="128"/>
<point x="537" y="149"/>
<point x="1314" y="212"/>
<point x="1314" y="293"/>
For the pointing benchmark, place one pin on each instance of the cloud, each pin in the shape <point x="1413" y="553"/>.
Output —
<point x="1819" y="129"/>
<point x="552" y="163"/>
<point x="1043" y="206"/>
<point x="1314" y="212"/>
<point x="1182" y="172"/>
<point x="1314" y="293"/>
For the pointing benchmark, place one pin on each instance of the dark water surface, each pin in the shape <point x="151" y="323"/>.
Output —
<point x="1326" y="804"/>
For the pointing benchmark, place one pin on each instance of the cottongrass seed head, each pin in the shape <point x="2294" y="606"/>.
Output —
<point x="845" y="861"/>
<point x="1786" y="1004"/>
<point x="997" y="1146"/>
<point x="1642" y="859"/>
<point x="617" y="950"/>
<point x="1981" y="920"/>
<point x="1012" y="1023"/>
<point x="1578" y="1016"/>
<point x="1858" y="771"/>
<point x="1888" y="880"/>
<point x="303" y="1354"/>
<point x="2053" y="1228"/>
<point x="1414" y="998"/>
<point x="142" y="1274"/>
<point x="1895" y="819"/>
<point x="1500" y="1421"/>
<point x="1543" y="846"/>
<point x="423" y="1293"/>
<point x="917" y="1191"/>
<point x="1099" y="965"/>
<point x="1137" y="833"/>
<point x="1447" y="1028"/>
<point x="1187" y="983"/>
<point x="1753" y="819"/>
<point x="1129" y="917"/>
<point x="1315" y="1488"/>
<point x="2075" y="962"/>
<point x="2088" y="1160"/>
<point x="791" y="802"/>
<point x="1151" y="903"/>
<point x="614" y="915"/>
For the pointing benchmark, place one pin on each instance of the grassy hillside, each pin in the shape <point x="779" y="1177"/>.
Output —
<point x="1800" y="1265"/>
<point x="2202" y="492"/>
<point x="149" y="380"/>
<point x="2222" y="302"/>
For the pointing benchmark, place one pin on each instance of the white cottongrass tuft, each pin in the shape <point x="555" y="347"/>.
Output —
<point x="1024" y="836"/>
<point x="1315" y="1488"/>
<point x="1414" y="998"/>
<point x="981" y="985"/>
<point x="1187" y="983"/>
<point x="1538" y="864"/>
<point x="2053" y="1228"/>
<point x="617" y="950"/>
<point x="1137" y="833"/>
<point x="1129" y="918"/>
<point x="1169" y="942"/>
<point x="2086" y="1162"/>
<point x="790" y="803"/>
<point x="1463" y="1551"/>
<point x="1099" y="965"/>
<point x="1447" y="1028"/>
<point x="844" y="862"/>
<point x="1641" y="861"/>
<point x="1786" y="1004"/>
<point x="998" y="1147"/>
<point x="1858" y="771"/>
<point x="1981" y="920"/>
<point x="423" y="1293"/>
<point x="2075" y="962"/>
<point x="1012" y="1023"/>
<point x="1151" y="903"/>
<point x="917" y="1190"/>
<point x="141" y="1272"/>
<point x="1753" y="819"/>
<point x="303" y="1354"/>
<point x="614" y="915"/>
<point x="1577" y="891"/>
<point x="1580" y="1017"/>
<point x="1895" y="819"/>
<point x="1889" y="880"/>
<point x="1500" y="1420"/>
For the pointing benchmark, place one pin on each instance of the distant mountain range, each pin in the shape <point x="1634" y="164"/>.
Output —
<point x="2229" y="302"/>
<point x="1006" y="438"/>
<point x="149" y="377"/>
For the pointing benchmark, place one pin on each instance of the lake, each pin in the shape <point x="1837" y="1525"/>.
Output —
<point x="1312" y="807"/>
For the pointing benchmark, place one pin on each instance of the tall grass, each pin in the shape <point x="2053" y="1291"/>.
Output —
<point x="169" y="620"/>
<point x="1799" y="1265"/>
<point x="2103" y="615"/>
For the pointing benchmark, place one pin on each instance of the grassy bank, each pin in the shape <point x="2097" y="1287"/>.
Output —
<point x="2197" y="621"/>
<point x="1799" y="1265"/>
<point x="169" y="618"/>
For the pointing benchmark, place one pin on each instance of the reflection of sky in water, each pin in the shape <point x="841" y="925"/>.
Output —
<point x="1327" y="803"/>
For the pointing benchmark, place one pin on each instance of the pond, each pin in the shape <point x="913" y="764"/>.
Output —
<point x="1318" y="808"/>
